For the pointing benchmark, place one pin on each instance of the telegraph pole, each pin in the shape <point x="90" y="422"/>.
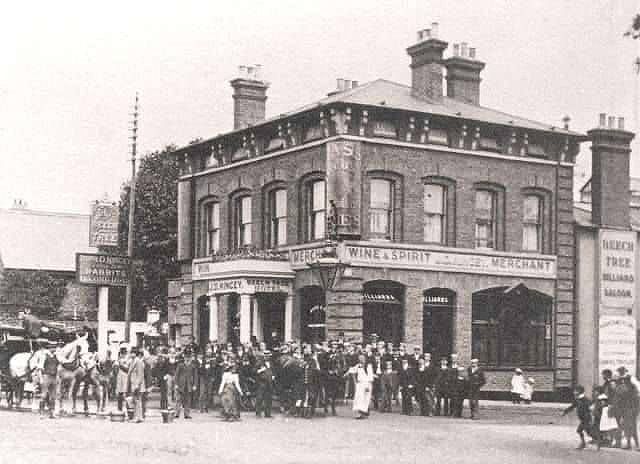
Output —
<point x="132" y="205"/>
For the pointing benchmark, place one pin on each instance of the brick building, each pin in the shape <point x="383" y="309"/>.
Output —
<point x="455" y="222"/>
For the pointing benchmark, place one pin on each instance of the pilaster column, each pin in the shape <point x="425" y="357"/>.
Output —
<point x="288" y="318"/>
<point x="213" y="317"/>
<point x="245" y="318"/>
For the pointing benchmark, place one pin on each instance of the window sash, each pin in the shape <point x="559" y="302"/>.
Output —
<point x="434" y="228"/>
<point x="485" y="211"/>
<point x="318" y="201"/>
<point x="317" y="210"/>
<point x="531" y="237"/>
<point x="318" y="226"/>
<point x="243" y="217"/>
<point x="380" y="194"/>
<point x="434" y="199"/>
<point x="380" y="222"/>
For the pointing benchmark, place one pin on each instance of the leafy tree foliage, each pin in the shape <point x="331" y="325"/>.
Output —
<point x="155" y="233"/>
<point x="634" y="29"/>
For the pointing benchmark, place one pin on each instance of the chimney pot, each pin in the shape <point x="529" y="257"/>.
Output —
<point x="347" y="84"/>
<point x="612" y="122"/>
<point x="620" y="123"/>
<point x="340" y="83"/>
<point x="434" y="30"/>
<point x="463" y="49"/>
<point x="456" y="49"/>
<point x="420" y="35"/>
<point x="354" y="84"/>
<point x="602" y="120"/>
<point x="472" y="53"/>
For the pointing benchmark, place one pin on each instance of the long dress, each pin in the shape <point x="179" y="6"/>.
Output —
<point x="364" y="382"/>
<point x="230" y="392"/>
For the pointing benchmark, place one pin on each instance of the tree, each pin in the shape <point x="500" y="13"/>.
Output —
<point x="155" y="231"/>
<point x="634" y="29"/>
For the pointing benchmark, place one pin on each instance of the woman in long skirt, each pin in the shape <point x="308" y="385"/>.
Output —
<point x="230" y="392"/>
<point x="364" y="382"/>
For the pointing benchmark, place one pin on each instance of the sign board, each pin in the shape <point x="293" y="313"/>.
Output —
<point x="102" y="270"/>
<point x="344" y="185"/>
<point x="103" y="224"/>
<point x="449" y="261"/>
<point x="250" y="285"/>
<point x="617" y="268"/>
<point x="617" y="343"/>
<point x="617" y="336"/>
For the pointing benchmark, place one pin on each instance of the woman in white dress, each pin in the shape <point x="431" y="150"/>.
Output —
<point x="517" y="386"/>
<point x="364" y="381"/>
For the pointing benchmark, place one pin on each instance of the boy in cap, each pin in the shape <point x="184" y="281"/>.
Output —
<point x="582" y="406"/>
<point x="49" y="369"/>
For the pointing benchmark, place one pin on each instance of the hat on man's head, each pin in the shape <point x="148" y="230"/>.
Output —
<point x="518" y="370"/>
<point x="475" y="360"/>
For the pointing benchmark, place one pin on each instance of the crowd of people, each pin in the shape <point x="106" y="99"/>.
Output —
<point x="304" y="377"/>
<point x="612" y="414"/>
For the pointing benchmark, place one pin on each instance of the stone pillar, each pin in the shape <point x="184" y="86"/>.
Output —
<point x="288" y="318"/>
<point x="257" y="320"/>
<point x="213" y="317"/>
<point x="103" y="319"/>
<point x="245" y="318"/>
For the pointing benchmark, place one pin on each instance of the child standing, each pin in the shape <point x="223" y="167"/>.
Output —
<point x="582" y="406"/>
<point x="527" y="393"/>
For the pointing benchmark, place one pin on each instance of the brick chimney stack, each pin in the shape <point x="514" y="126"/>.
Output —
<point x="610" y="156"/>
<point x="426" y="64"/>
<point x="249" y="97"/>
<point x="463" y="74"/>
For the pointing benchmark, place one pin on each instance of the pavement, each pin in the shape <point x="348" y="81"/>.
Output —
<point x="505" y="433"/>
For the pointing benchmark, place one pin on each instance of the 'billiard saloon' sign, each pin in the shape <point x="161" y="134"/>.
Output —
<point x="616" y="318"/>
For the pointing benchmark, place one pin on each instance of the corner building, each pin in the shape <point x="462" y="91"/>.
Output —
<point x="455" y="222"/>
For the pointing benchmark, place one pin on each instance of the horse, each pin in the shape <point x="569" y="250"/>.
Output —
<point x="23" y="367"/>
<point x="71" y="370"/>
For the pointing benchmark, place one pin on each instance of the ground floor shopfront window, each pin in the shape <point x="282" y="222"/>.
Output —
<point x="383" y="311"/>
<point x="512" y="327"/>
<point x="313" y="317"/>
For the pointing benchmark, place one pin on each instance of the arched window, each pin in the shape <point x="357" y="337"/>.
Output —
<point x="381" y="207"/>
<point x="212" y="227"/>
<point x="512" y="327"/>
<point x="241" y="217"/>
<point x="276" y="217"/>
<point x="489" y="216"/>
<point x="439" y="201"/>
<point x="532" y="223"/>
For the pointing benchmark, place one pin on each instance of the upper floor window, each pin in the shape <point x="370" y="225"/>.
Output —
<point x="434" y="213"/>
<point x="277" y="217"/>
<point x="485" y="214"/>
<point x="212" y="227"/>
<point x="381" y="208"/>
<point x="242" y="217"/>
<point x="317" y="210"/>
<point x="532" y="224"/>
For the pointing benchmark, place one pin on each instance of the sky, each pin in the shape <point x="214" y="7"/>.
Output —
<point x="69" y="72"/>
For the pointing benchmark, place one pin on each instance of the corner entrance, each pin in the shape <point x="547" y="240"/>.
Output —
<point x="437" y="325"/>
<point x="269" y="318"/>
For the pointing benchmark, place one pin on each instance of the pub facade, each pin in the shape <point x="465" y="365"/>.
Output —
<point x="451" y="224"/>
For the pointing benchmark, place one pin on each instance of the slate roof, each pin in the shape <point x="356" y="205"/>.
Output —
<point x="392" y="95"/>
<point x="42" y="240"/>
<point x="582" y="215"/>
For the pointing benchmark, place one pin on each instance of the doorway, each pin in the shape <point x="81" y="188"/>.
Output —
<point x="437" y="324"/>
<point x="271" y="317"/>
<point x="203" y="320"/>
<point x="383" y="311"/>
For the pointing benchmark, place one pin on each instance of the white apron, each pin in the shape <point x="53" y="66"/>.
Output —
<point x="362" y="397"/>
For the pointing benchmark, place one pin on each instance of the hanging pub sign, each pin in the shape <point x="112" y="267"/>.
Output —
<point x="102" y="270"/>
<point x="343" y="185"/>
<point x="103" y="224"/>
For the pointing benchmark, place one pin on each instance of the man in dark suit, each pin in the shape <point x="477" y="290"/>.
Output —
<point x="442" y="389"/>
<point x="406" y="378"/>
<point x="264" y="385"/>
<point x="186" y="383"/>
<point x="476" y="382"/>
<point x="452" y="377"/>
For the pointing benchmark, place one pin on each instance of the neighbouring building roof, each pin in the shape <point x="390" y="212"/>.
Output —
<point x="634" y="187"/>
<point x="582" y="215"/>
<point x="42" y="240"/>
<point x="392" y="95"/>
